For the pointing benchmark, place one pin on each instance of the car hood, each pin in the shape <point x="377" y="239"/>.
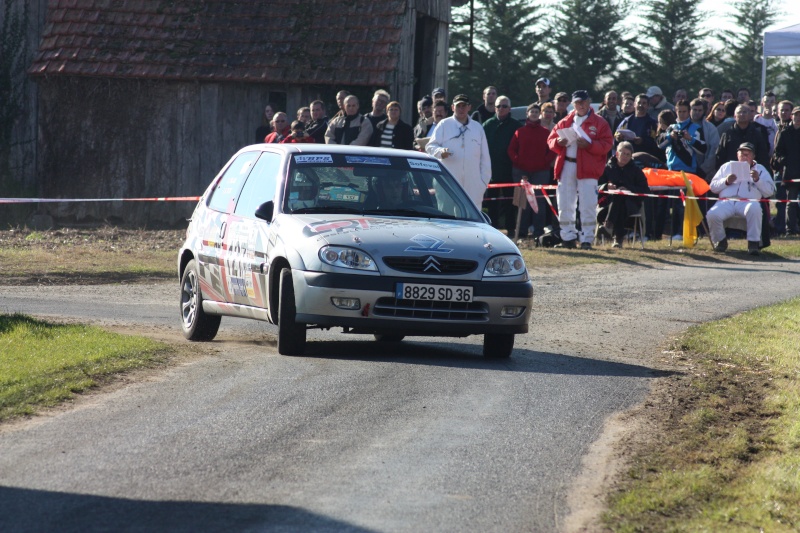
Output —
<point x="394" y="236"/>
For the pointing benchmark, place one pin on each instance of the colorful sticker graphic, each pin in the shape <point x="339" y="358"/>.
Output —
<point x="366" y="160"/>
<point x="315" y="158"/>
<point x="426" y="243"/>
<point x="424" y="165"/>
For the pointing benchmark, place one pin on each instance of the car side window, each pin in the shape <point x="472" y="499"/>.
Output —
<point x="260" y="185"/>
<point x="224" y="194"/>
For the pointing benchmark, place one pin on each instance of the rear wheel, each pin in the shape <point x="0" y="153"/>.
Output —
<point x="291" y="335"/>
<point x="387" y="337"/>
<point x="498" y="345"/>
<point x="196" y="324"/>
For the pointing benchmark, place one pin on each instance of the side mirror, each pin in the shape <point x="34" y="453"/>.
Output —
<point x="265" y="211"/>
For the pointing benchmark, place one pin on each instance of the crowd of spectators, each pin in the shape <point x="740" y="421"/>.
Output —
<point x="625" y="133"/>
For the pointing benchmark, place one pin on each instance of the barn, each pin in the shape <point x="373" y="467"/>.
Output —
<point x="148" y="98"/>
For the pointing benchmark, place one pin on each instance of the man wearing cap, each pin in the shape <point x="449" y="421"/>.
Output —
<point x="438" y="94"/>
<point x="543" y="91"/>
<point x="579" y="164"/>
<point x="425" y="123"/>
<point x="657" y="102"/>
<point x="486" y="110"/>
<point x="756" y="185"/>
<point x="561" y="103"/>
<point x="460" y="143"/>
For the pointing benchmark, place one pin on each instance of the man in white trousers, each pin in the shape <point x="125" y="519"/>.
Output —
<point x="580" y="161"/>
<point x="460" y="143"/>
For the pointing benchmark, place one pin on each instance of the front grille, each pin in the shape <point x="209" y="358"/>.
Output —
<point x="429" y="264"/>
<point x="426" y="309"/>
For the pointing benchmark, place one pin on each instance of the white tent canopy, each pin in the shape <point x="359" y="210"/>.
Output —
<point x="782" y="42"/>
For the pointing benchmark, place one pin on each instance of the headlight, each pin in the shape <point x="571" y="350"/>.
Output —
<point x="505" y="265"/>
<point x="341" y="256"/>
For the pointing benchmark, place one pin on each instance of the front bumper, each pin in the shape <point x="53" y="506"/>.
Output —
<point x="380" y="312"/>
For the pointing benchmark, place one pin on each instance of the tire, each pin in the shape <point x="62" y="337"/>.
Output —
<point x="498" y="345"/>
<point x="197" y="325"/>
<point x="291" y="335"/>
<point x="388" y="337"/>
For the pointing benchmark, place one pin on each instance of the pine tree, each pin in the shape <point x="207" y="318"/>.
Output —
<point x="585" y="40"/>
<point x="744" y="46"/>
<point x="669" y="50"/>
<point x="506" y="54"/>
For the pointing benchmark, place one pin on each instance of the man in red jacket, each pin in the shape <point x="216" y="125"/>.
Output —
<point x="282" y="129"/>
<point x="581" y="141"/>
<point x="531" y="159"/>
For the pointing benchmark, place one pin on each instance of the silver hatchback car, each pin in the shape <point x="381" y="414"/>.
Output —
<point x="374" y="241"/>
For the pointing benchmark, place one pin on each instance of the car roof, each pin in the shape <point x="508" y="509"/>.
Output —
<point x="311" y="148"/>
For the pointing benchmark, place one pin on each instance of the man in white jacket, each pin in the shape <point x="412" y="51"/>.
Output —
<point x="460" y="143"/>
<point x="755" y="185"/>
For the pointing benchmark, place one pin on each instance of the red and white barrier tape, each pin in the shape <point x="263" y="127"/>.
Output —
<point x="58" y="200"/>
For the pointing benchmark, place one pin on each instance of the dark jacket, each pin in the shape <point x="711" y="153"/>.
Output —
<point x="317" y="129"/>
<point x="482" y="114"/>
<point x="402" y="136"/>
<point x="730" y="140"/>
<point x="630" y="177"/>
<point x="498" y="136"/>
<point x="786" y="159"/>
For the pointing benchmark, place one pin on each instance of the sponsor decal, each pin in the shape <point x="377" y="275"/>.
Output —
<point x="315" y="158"/>
<point x="424" y="165"/>
<point x="237" y="286"/>
<point x="426" y="243"/>
<point x="366" y="160"/>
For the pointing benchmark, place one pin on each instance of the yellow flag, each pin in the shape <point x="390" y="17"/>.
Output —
<point x="692" y="217"/>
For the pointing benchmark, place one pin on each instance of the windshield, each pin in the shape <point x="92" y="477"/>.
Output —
<point x="369" y="185"/>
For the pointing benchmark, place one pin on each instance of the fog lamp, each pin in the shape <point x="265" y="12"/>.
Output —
<point x="511" y="311"/>
<point x="350" y="304"/>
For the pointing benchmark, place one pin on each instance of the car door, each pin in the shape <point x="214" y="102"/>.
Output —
<point x="248" y="237"/>
<point x="214" y="227"/>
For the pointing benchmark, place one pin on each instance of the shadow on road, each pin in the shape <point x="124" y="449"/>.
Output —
<point x="469" y="356"/>
<point x="23" y="510"/>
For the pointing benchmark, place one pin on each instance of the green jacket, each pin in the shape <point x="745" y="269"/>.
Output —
<point x="498" y="136"/>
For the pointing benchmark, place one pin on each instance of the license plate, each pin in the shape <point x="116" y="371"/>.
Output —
<point x="436" y="293"/>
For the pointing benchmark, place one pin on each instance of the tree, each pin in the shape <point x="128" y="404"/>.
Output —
<point x="671" y="53"/>
<point x="506" y="53"/>
<point x="745" y="45"/>
<point x="585" y="39"/>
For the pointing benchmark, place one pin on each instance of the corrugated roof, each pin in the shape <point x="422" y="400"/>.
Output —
<point x="352" y="42"/>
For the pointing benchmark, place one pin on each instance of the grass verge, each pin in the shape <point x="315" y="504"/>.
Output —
<point x="728" y="454"/>
<point x="43" y="364"/>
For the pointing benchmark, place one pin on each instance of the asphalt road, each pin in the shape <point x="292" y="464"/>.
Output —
<point x="357" y="437"/>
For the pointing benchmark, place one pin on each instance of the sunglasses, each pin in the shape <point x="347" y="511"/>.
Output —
<point x="563" y="99"/>
<point x="706" y="95"/>
<point x="502" y="106"/>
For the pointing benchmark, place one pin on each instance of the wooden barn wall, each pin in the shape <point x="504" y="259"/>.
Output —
<point x="438" y="9"/>
<point x="22" y="157"/>
<point x="103" y="138"/>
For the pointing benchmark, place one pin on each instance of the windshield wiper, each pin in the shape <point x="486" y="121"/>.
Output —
<point x="328" y="209"/>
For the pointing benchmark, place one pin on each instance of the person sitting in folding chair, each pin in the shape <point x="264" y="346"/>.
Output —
<point x="622" y="175"/>
<point x="726" y="183"/>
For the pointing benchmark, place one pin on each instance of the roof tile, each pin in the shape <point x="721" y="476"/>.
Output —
<point x="265" y="41"/>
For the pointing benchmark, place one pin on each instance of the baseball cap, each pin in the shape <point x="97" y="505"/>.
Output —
<point x="580" y="95"/>
<point x="795" y="109"/>
<point x="426" y="100"/>
<point x="747" y="146"/>
<point x="438" y="90"/>
<point x="543" y="80"/>
<point x="461" y="98"/>
<point x="654" y="91"/>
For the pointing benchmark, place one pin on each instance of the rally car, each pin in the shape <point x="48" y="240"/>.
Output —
<point x="374" y="241"/>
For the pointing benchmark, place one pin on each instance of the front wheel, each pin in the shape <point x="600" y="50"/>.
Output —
<point x="197" y="325"/>
<point x="291" y="335"/>
<point x="498" y="345"/>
